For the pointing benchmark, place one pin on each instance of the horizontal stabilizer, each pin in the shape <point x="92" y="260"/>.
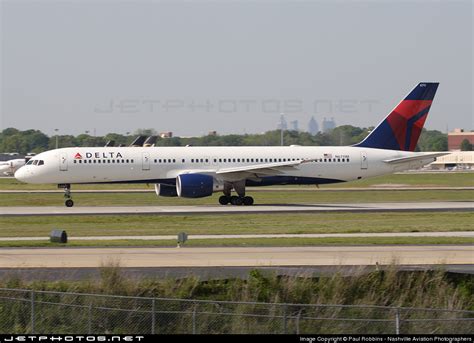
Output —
<point x="417" y="157"/>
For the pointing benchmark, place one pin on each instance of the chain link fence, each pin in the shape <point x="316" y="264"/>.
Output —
<point x="32" y="312"/>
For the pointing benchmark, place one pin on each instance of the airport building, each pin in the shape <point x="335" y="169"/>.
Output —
<point x="459" y="160"/>
<point x="456" y="138"/>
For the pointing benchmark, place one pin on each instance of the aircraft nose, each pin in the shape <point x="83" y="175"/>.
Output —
<point x="21" y="175"/>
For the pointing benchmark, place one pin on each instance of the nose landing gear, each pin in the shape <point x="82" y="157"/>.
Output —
<point x="67" y="195"/>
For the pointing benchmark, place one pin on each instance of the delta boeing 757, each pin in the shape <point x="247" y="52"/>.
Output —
<point x="195" y="172"/>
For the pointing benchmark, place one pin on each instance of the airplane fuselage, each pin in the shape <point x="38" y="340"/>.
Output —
<point x="163" y="164"/>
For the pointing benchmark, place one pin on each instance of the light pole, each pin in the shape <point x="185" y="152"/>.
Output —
<point x="57" y="141"/>
<point x="282" y="127"/>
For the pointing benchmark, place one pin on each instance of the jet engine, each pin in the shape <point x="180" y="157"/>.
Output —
<point x="164" y="190"/>
<point x="194" y="185"/>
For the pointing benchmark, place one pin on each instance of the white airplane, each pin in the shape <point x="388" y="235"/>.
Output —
<point x="195" y="172"/>
<point x="9" y="168"/>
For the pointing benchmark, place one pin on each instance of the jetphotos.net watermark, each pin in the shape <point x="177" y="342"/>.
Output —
<point x="234" y="106"/>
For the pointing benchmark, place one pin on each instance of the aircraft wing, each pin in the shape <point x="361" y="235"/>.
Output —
<point x="266" y="169"/>
<point x="418" y="157"/>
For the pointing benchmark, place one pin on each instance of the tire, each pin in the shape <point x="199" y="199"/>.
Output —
<point x="248" y="201"/>
<point x="69" y="203"/>
<point x="224" y="200"/>
<point x="235" y="200"/>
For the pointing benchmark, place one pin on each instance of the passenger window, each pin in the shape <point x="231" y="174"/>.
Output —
<point x="74" y="161"/>
<point x="80" y="161"/>
<point x="183" y="160"/>
<point x="98" y="161"/>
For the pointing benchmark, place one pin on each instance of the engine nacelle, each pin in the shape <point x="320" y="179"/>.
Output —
<point x="164" y="190"/>
<point x="194" y="185"/>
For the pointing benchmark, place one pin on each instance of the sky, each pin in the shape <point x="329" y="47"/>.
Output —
<point x="232" y="66"/>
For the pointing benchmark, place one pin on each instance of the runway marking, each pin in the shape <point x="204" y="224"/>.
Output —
<point x="212" y="209"/>
<point x="382" y="188"/>
<point x="465" y="234"/>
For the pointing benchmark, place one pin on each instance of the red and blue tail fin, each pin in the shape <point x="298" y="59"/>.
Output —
<point x="401" y="129"/>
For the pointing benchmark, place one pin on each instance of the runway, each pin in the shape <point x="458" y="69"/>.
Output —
<point x="236" y="257"/>
<point x="387" y="187"/>
<point x="212" y="209"/>
<point x="463" y="234"/>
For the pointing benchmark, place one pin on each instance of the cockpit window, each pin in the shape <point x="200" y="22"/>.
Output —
<point x="35" y="162"/>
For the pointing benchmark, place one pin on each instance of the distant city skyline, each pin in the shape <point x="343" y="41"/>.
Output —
<point x="233" y="67"/>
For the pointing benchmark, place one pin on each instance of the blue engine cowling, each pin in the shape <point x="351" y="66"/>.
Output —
<point x="164" y="190"/>
<point x="194" y="185"/>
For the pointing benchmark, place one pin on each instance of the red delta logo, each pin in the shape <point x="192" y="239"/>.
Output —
<point x="78" y="156"/>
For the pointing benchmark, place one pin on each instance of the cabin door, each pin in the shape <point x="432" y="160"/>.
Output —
<point x="63" y="161"/>
<point x="146" y="161"/>
<point x="364" y="161"/>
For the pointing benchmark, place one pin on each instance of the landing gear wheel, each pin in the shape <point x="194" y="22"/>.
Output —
<point x="248" y="201"/>
<point x="224" y="199"/>
<point x="235" y="200"/>
<point x="67" y="194"/>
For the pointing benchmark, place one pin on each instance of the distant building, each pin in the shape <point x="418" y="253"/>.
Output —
<point x="328" y="124"/>
<point x="456" y="137"/>
<point x="294" y="125"/>
<point x="168" y="134"/>
<point x="212" y="133"/>
<point x="460" y="160"/>
<point x="313" y="127"/>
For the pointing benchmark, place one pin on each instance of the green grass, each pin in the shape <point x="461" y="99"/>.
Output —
<point x="387" y="287"/>
<point x="277" y="197"/>
<point x="288" y="223"/>
<point x="248" y="242"/>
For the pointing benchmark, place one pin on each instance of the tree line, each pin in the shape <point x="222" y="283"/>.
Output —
<point x="35" y="141"/>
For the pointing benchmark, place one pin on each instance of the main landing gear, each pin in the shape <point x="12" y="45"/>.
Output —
<point x="239" y="199"/>
<point x="235" y="200"/>
<point x="67" y="195"/>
